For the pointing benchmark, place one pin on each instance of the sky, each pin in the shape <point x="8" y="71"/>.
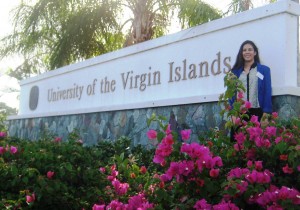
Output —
<point x="9" y="87"/>
<point x="6" y="26"/>
<point x="6" y="83"/>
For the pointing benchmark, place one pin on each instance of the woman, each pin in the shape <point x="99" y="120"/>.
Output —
<point x="256" y="79"/>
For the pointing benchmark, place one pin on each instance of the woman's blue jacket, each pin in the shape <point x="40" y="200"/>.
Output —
<point x="264" y="87"/>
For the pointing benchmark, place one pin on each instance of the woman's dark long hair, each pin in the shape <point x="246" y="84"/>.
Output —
<point x="239" y="62"/>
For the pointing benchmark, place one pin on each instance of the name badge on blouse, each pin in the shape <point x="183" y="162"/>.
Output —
<point x="260" y="76"/>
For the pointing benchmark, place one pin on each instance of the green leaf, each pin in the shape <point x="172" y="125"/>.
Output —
<point x="14" y="170"/>
<point x="121" y="157"/>
<point x="281" y="147"/>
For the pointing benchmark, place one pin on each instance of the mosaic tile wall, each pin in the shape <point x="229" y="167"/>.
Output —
<point x="95" y="127"/>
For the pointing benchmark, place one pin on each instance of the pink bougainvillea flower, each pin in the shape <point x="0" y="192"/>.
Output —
<point x="139" y="202"/>
<point x="242" y="187"/>
<point x="114" y="173"/>
<point x="272" y="195"/>
<point x="284" y="193"/>
<point x="238" y="147"/>
<point x="258" y="165"/>
<point x="240" y="137"/>
<point x="248" y="104"/>
<point x="168" y="129"/>
<point x="186" y="148"/>
<point x="156" y="176"/>
<point x="251" y="153"/>
<point x="2" y="150"/>
<point x="168" y="139"/>
<point x="286" y="169"/>
<point x="298" y="168"/>
<point x="271" y="131"/>
<point x="263" y="177"/>
<point x="98" y="207"/>
<point x="164" y="149"/>
<point x="262" y="199"/>
<point x="254" y="119"/>
<point x="252" y="177"/>
<point x="179" y="169"/>
<point x="237" y="121"/>
<point x="185" y="134"/>
<point x="30" y="198"/>
<point x="217" y="161"/>
<point x="267" y="143"/>
<point x="173" y="169"/>
<point x="283" y="157"/>
<point x="278" y="139"/>
<point x="202" y="204"/>
<point x="113" y="167"/>
<point x="214" y="173"/>
<point x="57" y="139"/>
<point x="224" y="205"/>
<point x="259" y="142"/>
<point x="120" y="188"/>
<point x="238" y="172"/>
<point x="102" y="169"/>
<point x="240" y="95"/>
<point x="115" y="204"/>
<point x="113" y="176"/>
<point x="13" y="150"/>
<point x="152" y="134"/>
<point x="275" y="115"/>
<point x="254" y="132"/>
<point x="195" y="150"/>
<point x="50" y="174"/>
<point x="249" y="164"/>
<point x="2" y="134"/>
<point x="186" y="167"/>
<point x="158" y="159"/>
<point x="165" y="177"/>
<point x="259" y="177"/>
<point x="143" y="170"/>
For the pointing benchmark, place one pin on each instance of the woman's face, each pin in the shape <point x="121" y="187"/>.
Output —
<point x="248" y="53"/>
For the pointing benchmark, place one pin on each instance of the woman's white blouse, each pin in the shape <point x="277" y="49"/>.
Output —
<point x="253" y="87"/>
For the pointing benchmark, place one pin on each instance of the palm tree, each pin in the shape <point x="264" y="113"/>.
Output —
<point x="50" y="33"/>
<point x="150" y="18"/>
<point x="237" y="6"/>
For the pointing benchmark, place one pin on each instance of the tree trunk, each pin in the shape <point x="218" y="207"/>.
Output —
<point x="142" y="24"/>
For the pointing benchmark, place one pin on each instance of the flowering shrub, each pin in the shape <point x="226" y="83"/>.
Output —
<point x="259" y="169"/>
<point x="189" y="171"/>
<point x="125" y="195"/>
<point x="51" y="174"/>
